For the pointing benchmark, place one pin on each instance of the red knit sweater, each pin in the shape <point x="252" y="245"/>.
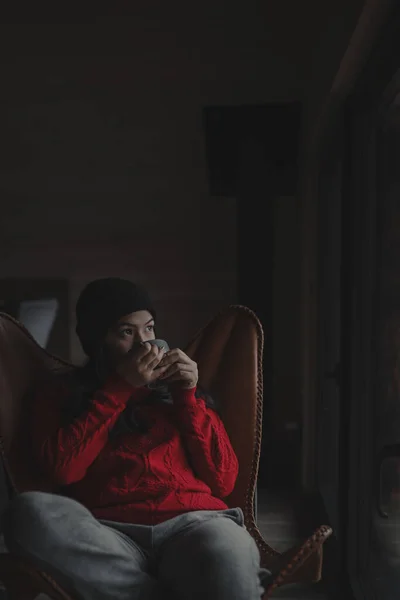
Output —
<point x="184" y="463"/>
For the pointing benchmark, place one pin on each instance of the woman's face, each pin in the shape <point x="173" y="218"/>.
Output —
<point x="131" y="329"/>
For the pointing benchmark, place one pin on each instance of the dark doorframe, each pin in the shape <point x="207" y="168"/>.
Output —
<point x="252" y="156"/>
<point x="255" y="193"/>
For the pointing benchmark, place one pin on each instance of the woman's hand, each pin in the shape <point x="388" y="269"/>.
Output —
<point x="180" y="369"/>
<point x="140" y="368"/>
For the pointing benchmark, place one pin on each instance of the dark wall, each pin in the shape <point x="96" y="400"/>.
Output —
<point x="102" y="150"/>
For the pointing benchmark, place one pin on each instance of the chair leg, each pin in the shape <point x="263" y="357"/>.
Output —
<point x="302" y="564"/>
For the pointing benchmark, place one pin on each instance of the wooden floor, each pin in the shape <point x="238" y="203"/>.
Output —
<point x="276" y="521"/>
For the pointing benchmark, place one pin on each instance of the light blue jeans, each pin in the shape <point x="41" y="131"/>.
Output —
<point x="200" y="555"/>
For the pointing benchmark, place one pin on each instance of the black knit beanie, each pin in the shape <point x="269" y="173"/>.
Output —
<point x="103" y="303"/>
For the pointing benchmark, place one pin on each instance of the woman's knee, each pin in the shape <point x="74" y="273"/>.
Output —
<point x="225" y="541"/>
<point x="220" y="541"/>
<point x="219" y="558"/>
<point x="24" y="503"/>
<point x="30" y="514"/>
<point x="20" y="513"/>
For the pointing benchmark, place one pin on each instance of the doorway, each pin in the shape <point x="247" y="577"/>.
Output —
<point x="373" y="394"/>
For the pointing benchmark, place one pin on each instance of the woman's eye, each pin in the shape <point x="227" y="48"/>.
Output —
<point x="124" y="332"/>
<point x="150" y="327"/>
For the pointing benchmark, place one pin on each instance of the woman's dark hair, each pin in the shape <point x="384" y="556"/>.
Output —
<point x="86" y="380"/>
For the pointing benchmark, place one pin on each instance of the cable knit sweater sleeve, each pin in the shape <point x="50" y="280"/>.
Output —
<point x="65" y="452"/>
<point x="205" y="437"/>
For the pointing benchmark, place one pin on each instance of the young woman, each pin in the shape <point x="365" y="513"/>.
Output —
<point x="143" y="462"/>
